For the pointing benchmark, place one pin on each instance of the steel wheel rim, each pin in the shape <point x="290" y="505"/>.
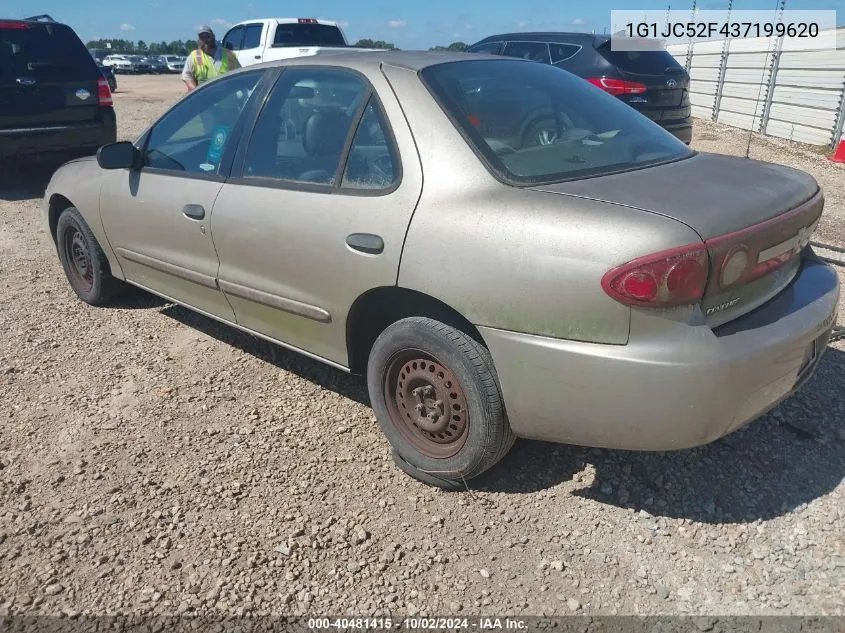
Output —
<point x="79" y="259"/>
<point x="426" y="403"/>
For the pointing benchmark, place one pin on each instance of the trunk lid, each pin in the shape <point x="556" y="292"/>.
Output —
<point x="667" y="83"/>
<point x="47" y="76"/>
<point x="745" y="211"/>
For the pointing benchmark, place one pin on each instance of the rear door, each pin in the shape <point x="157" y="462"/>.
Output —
<point x="667" y="84"/>
<point x="47" y="76"/>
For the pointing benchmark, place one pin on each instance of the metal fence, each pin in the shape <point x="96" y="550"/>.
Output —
<point x="766" y="85"/>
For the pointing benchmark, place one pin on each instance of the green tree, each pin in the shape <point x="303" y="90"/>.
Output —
<point x="454" y="46"/>
<point x="368" y="43"/>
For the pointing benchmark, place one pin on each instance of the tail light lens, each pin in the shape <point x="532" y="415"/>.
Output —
<point x="668" y="278"/>
<point x="618" y="87"/>
<point x="13" y="25"/>
<point x="104" y="92"/>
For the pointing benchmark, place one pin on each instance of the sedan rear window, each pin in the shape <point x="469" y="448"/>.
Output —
<point x="535" y="124"/>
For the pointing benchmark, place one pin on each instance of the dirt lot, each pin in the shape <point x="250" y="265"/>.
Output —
<point x="154" y="461"/>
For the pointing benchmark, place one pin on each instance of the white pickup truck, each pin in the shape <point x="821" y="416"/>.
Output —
<point x="269" y="39"/>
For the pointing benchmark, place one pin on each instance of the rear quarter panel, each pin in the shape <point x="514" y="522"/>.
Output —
<point x="510" y="258"/>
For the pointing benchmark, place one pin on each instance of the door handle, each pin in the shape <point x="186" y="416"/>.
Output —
<point x="257" y="56"/>
<point x="366" y="243"/>
<point x="193" y="211"/>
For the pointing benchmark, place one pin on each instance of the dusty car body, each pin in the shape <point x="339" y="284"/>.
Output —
<point x="381" y="212"/>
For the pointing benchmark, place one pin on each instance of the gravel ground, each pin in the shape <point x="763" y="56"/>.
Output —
<point x="153" y="461"/>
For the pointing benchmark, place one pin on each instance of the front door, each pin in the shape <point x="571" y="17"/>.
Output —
<point x="157" y="217"/>
<point x="316" y="210"/>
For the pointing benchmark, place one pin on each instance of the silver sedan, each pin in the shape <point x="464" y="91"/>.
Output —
<point x="392" y="214"/>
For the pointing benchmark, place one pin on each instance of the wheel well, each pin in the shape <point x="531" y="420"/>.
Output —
<point x="58" y="203"/>
<point x="376" y="309"/>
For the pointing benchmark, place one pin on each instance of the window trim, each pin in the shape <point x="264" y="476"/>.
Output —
<point x="542" y="43"/>
<point x="502" y="176"/>
<point x="578" y="48"/>
<point x="227" y="157"/>
<point x="237" y="177"/>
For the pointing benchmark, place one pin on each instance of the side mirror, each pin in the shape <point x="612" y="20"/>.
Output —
<point x="121" y="155"/>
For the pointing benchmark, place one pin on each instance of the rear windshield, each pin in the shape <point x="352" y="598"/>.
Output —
<point x="641" y="62"/>
<point x="533" y="123"/>
<point x="308" y="35"/>
<point x="44" y="51"/>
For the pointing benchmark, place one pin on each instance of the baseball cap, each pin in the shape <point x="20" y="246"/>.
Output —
<point x="205" y="29"/>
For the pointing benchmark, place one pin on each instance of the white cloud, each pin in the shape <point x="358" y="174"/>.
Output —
<point x="579" y="22"/>
<point x="126" y="27"/>
<point x="220" y="22"/>
<point x="343" y="24"/>
<point x="522" y="25"/>
<point x="397" y="24"/>
<point x="469" y="27"/>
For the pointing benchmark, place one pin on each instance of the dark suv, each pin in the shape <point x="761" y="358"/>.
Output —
<point x="652" y="82"/>
<point x="54" y="102"/>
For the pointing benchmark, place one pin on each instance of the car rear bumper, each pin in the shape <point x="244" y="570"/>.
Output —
<point x="682" y="129"/>
<point x="46" y="141"/>
<point x="685" y="390"/>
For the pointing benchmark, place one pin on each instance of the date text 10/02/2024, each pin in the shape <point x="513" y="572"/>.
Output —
<point x="419" y="624"/>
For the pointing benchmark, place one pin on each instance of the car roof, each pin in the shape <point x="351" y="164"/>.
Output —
<point x="561" y="37"/>
<point x="410" y="60"/>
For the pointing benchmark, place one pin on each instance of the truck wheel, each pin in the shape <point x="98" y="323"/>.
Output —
<point x="437" y="400"/>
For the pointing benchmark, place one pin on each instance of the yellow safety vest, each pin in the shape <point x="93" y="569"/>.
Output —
<point x="204" y="68"/>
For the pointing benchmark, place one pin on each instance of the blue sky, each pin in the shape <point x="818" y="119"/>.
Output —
<point x="407" y="24"/>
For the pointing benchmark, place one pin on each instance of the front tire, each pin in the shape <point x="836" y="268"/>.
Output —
<point x="437" y="400"/>
<point x="85" y="264"/>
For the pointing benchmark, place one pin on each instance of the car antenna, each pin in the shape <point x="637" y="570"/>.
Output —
<point x="780" y="6"/>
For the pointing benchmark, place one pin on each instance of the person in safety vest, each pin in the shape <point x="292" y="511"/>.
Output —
<point x="208" y="61"/>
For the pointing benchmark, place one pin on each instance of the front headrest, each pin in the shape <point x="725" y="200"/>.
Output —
<point x="325" y="133"/>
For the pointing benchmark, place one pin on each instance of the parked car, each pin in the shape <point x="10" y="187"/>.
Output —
<point x="119" y="63"/>
<point x="158" y="64"/>
<point x="54" y="102"/>
<point x="650" y="81"/>
<point x="614" y="288"/>
<point x="173" y="63"/>
<point x="107" y="72"/>
<point x="263" y="40"/>
<point x="141" y="64"/>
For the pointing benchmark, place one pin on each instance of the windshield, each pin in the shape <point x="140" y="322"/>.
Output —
<point x="641" y="62"/>
<point x="534" y="123"/>
<point x="51" y="52"/>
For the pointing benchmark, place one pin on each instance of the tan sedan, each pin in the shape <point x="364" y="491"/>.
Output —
<point x="391" y="215"/>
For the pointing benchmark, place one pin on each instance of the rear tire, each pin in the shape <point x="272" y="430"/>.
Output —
<point x="85" y="264"/>
<point x="435" y="394"/>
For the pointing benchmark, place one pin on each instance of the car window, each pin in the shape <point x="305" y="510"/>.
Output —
<point x="302" y="129"/>
<point x="641" y="62"/>
<point x="562" y="52"/>
<point x="492" y="48"/>
<point x="233" y="39"/>
<point x="252" y="36"/>
<point x="35" y="51"/>
<point x="535" y="51"/>
<point x="372" y="163"/>
<point x="536" y="123"/>
<point x="192" y="137"/>
<point x="308" y="34"/>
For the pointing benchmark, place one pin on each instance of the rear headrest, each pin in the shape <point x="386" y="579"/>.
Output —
<point x="325" y="133"/>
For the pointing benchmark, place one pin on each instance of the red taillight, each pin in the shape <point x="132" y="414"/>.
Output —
<point x="668" y="278"/>
<point x="307" y="21"/>
<point x="104" y="92"/>
<point x="618" y="87"/>
<point x="13" y="24"/>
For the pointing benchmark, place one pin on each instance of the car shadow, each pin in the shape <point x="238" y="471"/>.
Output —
<point x="342" y="383"/>
<point x="19" y="183"/>
<point x="786" y="459"/>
